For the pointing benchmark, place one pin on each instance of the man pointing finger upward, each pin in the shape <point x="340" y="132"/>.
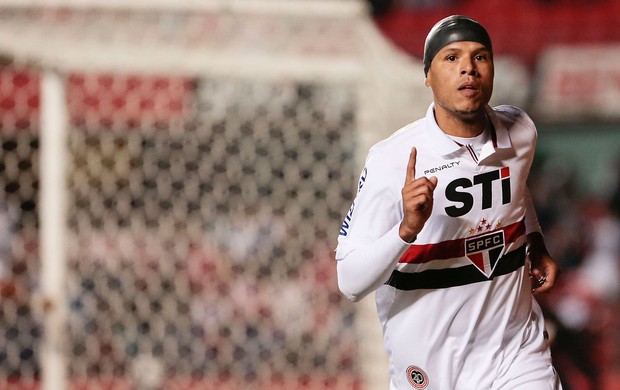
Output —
<point x="454" y="258"/>
<point x="417" y="200"/>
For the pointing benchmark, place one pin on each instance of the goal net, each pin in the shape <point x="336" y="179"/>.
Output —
<point x="174" y="176"/>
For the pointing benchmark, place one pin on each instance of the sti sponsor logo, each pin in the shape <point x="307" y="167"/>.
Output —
<point x="346" y="224"/>
<point x="484" y="251"/>
<point x="465" y="191"/>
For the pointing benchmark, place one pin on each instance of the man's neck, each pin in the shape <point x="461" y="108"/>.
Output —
<point x="464" y="126"/>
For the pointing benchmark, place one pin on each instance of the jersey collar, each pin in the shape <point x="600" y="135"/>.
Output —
<point x="444" y="145"/>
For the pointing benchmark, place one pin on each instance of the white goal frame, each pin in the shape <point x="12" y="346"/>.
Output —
<point x="384" y="74"/>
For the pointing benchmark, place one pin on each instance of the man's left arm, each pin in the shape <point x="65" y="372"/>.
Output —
<point x="544" y="270"/>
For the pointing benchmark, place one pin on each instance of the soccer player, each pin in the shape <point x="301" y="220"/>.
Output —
<point x="444" y="231"/>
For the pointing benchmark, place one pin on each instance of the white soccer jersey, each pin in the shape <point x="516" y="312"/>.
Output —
<point x="456" y="305"/>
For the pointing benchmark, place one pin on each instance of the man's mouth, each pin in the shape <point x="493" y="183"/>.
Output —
<point x="468" y="86"/>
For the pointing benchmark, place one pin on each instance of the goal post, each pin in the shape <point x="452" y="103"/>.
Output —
<point x="53" y="201"/>
<point x="196" y="160"/>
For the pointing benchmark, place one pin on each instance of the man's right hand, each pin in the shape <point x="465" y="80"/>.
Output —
<point x="417" y="201"/>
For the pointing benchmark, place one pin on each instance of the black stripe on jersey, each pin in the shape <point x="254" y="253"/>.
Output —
<point x="473" y="154"/>
<point x="452" y="277"/>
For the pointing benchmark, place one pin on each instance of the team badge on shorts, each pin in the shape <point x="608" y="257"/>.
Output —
<point x="417" y="377"/>
<point x="484" y="251"/>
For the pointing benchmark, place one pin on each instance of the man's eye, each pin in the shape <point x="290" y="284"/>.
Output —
<point x="451" y="58"/>
<point x="481" y="57"/>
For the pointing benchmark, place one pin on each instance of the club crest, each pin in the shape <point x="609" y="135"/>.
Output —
<point x="484" y="251"/>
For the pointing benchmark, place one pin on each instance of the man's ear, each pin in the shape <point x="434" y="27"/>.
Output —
<point x="426" y="82"/>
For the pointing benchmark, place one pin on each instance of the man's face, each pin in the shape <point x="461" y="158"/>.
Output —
<point x="461" y="77"/>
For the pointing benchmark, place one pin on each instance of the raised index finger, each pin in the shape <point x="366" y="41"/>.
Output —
<point x="411" y="166"/>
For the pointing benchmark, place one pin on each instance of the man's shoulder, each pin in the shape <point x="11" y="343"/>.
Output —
<point x="509" y="110"/>
<point x="511" y="115"/>
<point x="403" y="138"/>
<point x="391" y="154"/>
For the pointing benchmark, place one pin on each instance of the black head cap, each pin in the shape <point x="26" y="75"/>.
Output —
<point x="454" y="28"/>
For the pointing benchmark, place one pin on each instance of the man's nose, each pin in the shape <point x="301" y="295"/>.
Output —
<point x="469" y="68"/>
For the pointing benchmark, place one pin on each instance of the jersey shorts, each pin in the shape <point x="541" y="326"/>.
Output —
<point x="457" y="310"/>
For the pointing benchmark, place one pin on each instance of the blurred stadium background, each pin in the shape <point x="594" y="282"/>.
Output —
<point x="174" y="175"/>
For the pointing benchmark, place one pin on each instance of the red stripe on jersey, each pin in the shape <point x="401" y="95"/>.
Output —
<point x="454" y="248"/>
